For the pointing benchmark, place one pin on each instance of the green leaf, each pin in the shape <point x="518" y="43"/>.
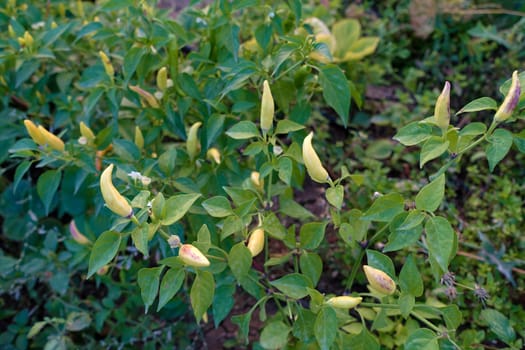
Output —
<point x="294" y="285"/>
<point x="335" y="196"/>
<point x="430" y="197"/>
<point x="167" y="161"/>
<point x="406" y="304"/>
<point x="303" y="327"/>
<point x="385" y="208"/>
<point x="274" y="335"/>
<point x="431" y="149"/>
<point x="177" y="206"/>
<point x="413" y="219"/>
<point x="519" y="141"/>
<point x="355" y="229"/>
<point x="413" y="133"/>
<point x="126" y="149"/>
<point x="499" y="325"/>
<point x="452" y="316"/>
<point x="346" y="32"/>
<point x="473" y="129"/>
<point x="77" y="321"/>
<point x="410" y="280"/>
<point x="148" y="280"/>
<point x="223" y="302"/>
<point x="243" y="130"/>
<point x="273" y="226"/>
<point x="26" y="70"/>
<point x="240" y="260"/>
<point x="440" y="240"/>
<point x="381" y="262"/>
<point x="132" y="60"/>
<point x="218" y="207"/>
<point x="21" y="169"/>
<point x="286" y="126"/>
<point x="311" y="265"/>
<point x="336" y="90"/>
<point x="422" y="339"/>
<point x="363" y="341"/>
<point x="479" y="104"/>
<point x="47" y="186"/>
<point x="104" y="250"/>
<point x="312" y="234"/>
<point x="400" y="238"/>
<point x="243" y="322"/>
<point x="285" y="170"/>
<point x="140" y="239"/>
<point x="361" y="47"/>
<point x="171" y="283"/>
<point x="201" y="294"/>
<point x="36" y="328"/>
<point x="499" y="145"/>
<point x="325" y="328"/>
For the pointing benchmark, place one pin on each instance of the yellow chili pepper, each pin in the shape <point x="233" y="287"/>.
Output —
<point x="442" y="109"/>
<point x="77" y="235"/>
<point x="114" y="200"/>
<point x="344" y="302"/>
<point x="192" y="256"/>
<point x="511" y="100"/>
<point x="267" y="108"/>
<point x="34" y="132"/>
<point x="193" y="146"/>
<point x="52" y="140"/>
<point x="256" y="242"/>
<point x="379" y="280"/>
<point x="312" y="162"/>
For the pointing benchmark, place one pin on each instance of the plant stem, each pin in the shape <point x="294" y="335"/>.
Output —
<point x="426" y="322"/>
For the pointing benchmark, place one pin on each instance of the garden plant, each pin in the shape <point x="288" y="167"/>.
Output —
<point x="221" y="176"/>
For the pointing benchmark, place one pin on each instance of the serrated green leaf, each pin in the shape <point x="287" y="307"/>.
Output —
<point x="104" y="250"/>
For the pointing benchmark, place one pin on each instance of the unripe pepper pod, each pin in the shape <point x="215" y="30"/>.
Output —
<point x="214" y="154"/>
<point x="267" y="108"/>
<point x="256" y="242"/>
<point x="442" y="109"/>
<point x="114" y="200"/>
<point x="193" y="145"/>
<point x="77" y="235"/>
<point x="511" y="100"/>
<point x="344" y="302"/>
<point x="312" y="162"/>
<point x="192" y="256"/>
<point x="87" y="132"/>
<point x="139" y="138"/>
<point x="52" y="140"/>
<point x="162" y="79"/>
<point x="34" y="132"/>
<point x="28" y="39"/>
<point x="108" y="67"/>
<point x="149" y="98"/>
<point x="379" y="280"/>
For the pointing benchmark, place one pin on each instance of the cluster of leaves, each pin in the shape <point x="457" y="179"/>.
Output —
<point x="175" y="105"/>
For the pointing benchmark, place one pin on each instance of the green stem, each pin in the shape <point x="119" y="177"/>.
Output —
<point x="164" y="234"/>
<point x="426" y="322"/>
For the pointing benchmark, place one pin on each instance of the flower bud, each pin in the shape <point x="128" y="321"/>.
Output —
<point x="52" y="140"/>
<point x="34" y="132"/>
<point x="193" y="145"/>
<point x="442" y="108"/>
<point x="312" y="162"/>
<point x="77" y="236"/>
<point x="114" y="200"/>
<point x="344" y="302"/>
<point x="108" y="67"/>
<point x="214" y="154"/>
<point x="149" y="98"/>
<point x="139" y="138"/>
<point x="162" y="79"/>
<point x="511" y="100"/>
<point x="174" y="241"/>
<point x="192" y="256"/>
<point x="379" y="280"/>
<point x="103" y="270"/>
<point x="86" y="132"/>
<point x="256" y="242"/>
<point x="28" y="39"/>
<point x="267" y="108"/>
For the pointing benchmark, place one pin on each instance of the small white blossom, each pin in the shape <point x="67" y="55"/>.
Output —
<point x="82" y="140"/>
<point x="174" y="241"/>
<point x="135" y="175"/>
<point x="277" y="150"/>
<point x="145" y="180"/>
